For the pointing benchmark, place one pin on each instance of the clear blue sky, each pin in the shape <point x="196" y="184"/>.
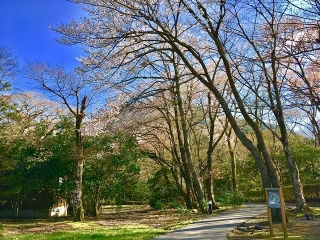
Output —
<point x="24" y="28"/>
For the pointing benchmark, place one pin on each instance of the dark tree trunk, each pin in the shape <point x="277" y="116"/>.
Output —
<point x="277" y="109"/>
<point x="16" y="202"/>
<point x="185" y="170"/>
<point x="78" y="211"/>
<point x="259" y="153"/>
<point x="208" y="181"/>
<point x="232" y="162"/>
<point x="186" y="150"/>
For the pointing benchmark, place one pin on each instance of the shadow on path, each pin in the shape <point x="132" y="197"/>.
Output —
<point x="217" y="226"/>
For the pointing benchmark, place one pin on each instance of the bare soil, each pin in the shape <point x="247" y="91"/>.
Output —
<point x="110" y="217"/>
<point x="298" y="226"/>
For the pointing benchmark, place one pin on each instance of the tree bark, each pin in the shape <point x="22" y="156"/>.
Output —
<point x="16" y="202"/>
<point x="208" y="181"/>
<point x="185" y="170"/>
<point x="186" y="149"/>
<point x="266" y="167"/>
<point x="301" y="203"/>
<point x="277" y="109"/>
<point x="78" y="211"/>
<point x="232" y="162"/>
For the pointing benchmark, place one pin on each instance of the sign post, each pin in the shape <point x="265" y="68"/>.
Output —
<point x="274" y="198"/>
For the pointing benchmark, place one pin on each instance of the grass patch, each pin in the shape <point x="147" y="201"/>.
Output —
<point x="125" y="232"/>
<point x="139" y="222"/>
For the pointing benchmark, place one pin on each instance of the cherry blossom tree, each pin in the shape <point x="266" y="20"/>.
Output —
<point x="123" y="36"/>
<point x="123" y="51"/>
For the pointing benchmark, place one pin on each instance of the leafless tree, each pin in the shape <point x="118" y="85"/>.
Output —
<point x="71" y="89"/>
<point x="8" y="67"/>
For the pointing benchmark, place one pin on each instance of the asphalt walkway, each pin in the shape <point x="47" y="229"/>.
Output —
<point x="217" y="226"/>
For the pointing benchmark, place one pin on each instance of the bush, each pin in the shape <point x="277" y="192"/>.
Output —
<point x="157" y="205"/>
<point x="255" y="196"/>
<point x="311" y="193"/>
<point x="175" y="205"/>
<point x="163" y="192"/>
<point x="234" y="198"/>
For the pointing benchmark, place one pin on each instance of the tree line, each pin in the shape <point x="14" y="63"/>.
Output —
<point x="196" y="81"/>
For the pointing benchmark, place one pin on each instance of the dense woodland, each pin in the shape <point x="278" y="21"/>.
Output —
<point x="176" y="103"/>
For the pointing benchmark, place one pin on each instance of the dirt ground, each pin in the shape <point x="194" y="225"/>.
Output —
<point x="298" y="226"/>
<point x="255" y="228"/>
<point x="110" y="217"/>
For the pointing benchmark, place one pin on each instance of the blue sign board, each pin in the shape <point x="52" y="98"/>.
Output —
<point x="274" y="199"/>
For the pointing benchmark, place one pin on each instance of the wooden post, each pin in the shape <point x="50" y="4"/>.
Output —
<point x="283" y="214"/>
<point x="274" y="199"/>
<point x="270" y="222"/>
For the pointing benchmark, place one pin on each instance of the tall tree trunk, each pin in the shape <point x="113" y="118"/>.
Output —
<point x="185" y="194"/>
<point x="96" y="206"/>
<point x="243" y="138"/>
<point x="272" y="173"/>
<point x="301" y="203"/>
<point x="259" y="153"/>
<point x="185" y="169"/>
<point x="78" y="211"/>
<point x="211" y="146"/>
<point x="16" y="203"/>
<point x="277" y="109"/>
<point x="295" y="175"/>
<point x="178" y="157"/>
<point x="232" y="161"/>
<point x="186" y="148"/>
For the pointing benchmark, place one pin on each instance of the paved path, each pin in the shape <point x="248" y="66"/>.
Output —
<point x="217" y="226"/>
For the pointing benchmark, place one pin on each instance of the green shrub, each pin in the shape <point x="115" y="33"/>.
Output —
<point x="255" y="195"/>
<point x="311" y="193"/>
<point x="184" y="211"/>
<point x="175" y="205"/>
<point x="157" y="205"/>
<point x="163" y="192"/>
<point x="234" y="198"/>
<point x="288" y="194"/>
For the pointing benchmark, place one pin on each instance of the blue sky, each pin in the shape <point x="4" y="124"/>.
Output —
<point x="24" y="28"/>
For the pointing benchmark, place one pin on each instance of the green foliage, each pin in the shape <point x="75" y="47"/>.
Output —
<point x="248" y="174"/>
<point x="141" y="192"/>
<point x="183" y="211"/>
<point x="255" y="195"/>
<point x="235" y="198"/>
<point x="307" y="157"/>
<point x="111" y="171"/>
<point x="222" y="185"/>
<point x="311" y="193"/>
<point x="49" y="164"/>
<point x="37" y="161"/>
<point x="163" y="190"/>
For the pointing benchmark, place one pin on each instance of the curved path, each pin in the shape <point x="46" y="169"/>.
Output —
<point x="217" y="226"/>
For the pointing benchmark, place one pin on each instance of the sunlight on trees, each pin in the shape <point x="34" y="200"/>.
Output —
<point x="205" y="96"/>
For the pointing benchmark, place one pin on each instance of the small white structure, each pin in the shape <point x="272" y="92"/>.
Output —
<point x="60" y="209"/>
